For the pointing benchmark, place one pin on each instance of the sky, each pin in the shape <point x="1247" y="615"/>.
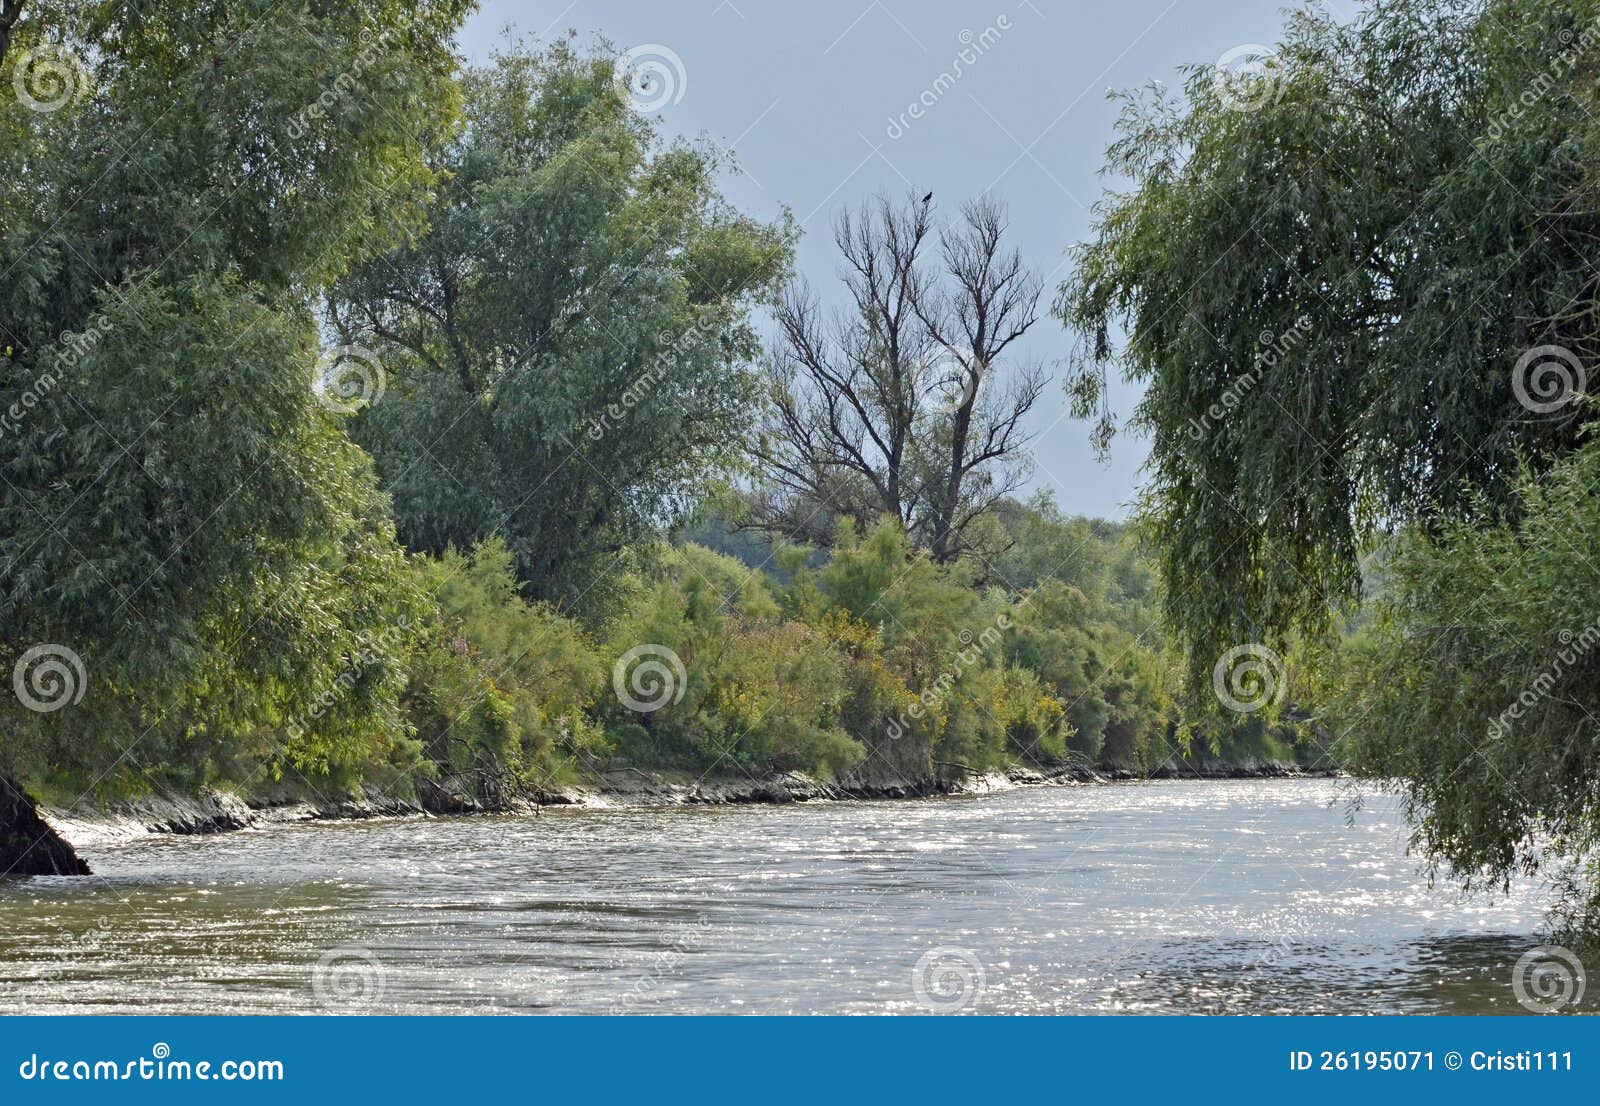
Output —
<point x="813" y="97"/>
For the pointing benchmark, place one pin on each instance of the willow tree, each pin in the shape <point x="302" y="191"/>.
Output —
<point x="192" y="554"/>
<point x="1358" y="288"/>
<point x="1327" y="274"/>
<point x="568" y="347"/>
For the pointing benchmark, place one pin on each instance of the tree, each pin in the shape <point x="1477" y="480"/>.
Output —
<point x="1362" y="300"/>
<point x="10" y="12"/>
<point x="1478" y="686"/>
<point x="567" y="346"/>
<point x="186" y="535"/>
<point x="896" y="407"/>
<point x="1329" y="283"/>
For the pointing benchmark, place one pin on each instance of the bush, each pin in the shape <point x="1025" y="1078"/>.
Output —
<point x="1478" y="683"/>
<point x="750" y="689"/>
<point x="500" y="689"/>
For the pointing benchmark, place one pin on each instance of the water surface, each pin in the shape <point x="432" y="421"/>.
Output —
<point x="1191" y="897"/>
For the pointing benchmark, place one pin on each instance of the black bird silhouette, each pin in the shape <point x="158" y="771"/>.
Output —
<point x="928" y="197"/>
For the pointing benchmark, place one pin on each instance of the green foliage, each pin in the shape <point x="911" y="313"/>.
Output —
<point x="1102" y="560"/>
<point x="877" y="658"/>
<point x="568" y="343"/>
<point x="1332" y="300"/>
<point x="929" y="624"/>
<point x="1476" y="684"/>
<point x="1326" y="298"/>
<point x="176" y="507"/>
<point x="1115" y="687"/>
<point x="500" y="689"/>
<point x="562" y="303"/>
<point x="757" y="691"/>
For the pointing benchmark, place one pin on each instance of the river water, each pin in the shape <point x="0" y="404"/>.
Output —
<point x="1193" y="897"/>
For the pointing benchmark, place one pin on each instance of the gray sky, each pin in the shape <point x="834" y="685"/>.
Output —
<point x="805" y="93"/>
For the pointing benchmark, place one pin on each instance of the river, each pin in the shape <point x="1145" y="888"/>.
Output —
<point x="1270" y="896"/>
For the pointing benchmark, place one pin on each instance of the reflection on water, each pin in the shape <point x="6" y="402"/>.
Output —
<point x="1214" y="897"/>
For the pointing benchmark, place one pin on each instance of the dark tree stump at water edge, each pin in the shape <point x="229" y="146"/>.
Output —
<point x="28" y="846"/>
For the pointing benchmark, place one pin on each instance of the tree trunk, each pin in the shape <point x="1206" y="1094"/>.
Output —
<point x="28" y="846"/>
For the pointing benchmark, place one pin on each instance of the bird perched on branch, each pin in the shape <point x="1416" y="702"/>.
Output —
<point x="928" y="197"/>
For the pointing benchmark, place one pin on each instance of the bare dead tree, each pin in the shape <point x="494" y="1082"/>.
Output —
<point x="896" y="406"/>
<point x="846" y="390"/>
<point x="993" y="302"/>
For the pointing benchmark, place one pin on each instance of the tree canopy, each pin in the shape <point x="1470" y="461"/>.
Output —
<point x="1329" y="278"/>
<point x="568" y="346"/>
<point x="1360" y="291"/>
<point x="177" y="509"/>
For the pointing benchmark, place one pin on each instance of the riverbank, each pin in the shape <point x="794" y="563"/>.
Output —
<point x="212" y="812"/>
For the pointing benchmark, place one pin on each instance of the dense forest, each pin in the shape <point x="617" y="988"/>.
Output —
<point x="396" y="423"/>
